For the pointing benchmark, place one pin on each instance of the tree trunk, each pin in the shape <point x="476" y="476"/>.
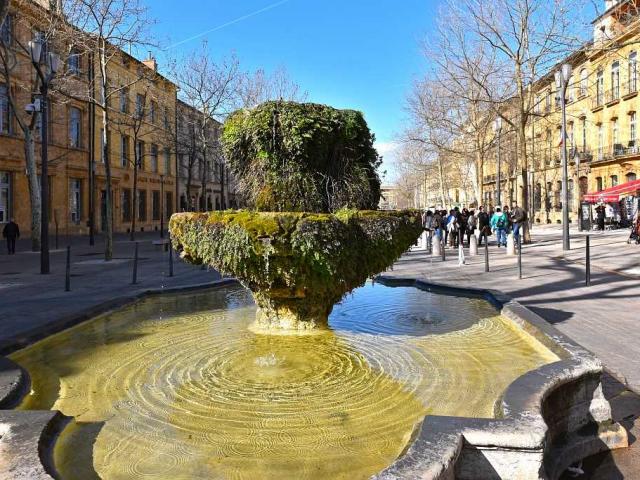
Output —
<point x="34" y="189"/>
<point x="441" y="178"/>
<point x="108" y="240"/>
<point x="134" y="199"/>
<point x="223" y="202"/>
<point x="189" y="178"/>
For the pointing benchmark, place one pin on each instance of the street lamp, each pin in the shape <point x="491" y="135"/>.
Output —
<point x="161" y="206"/>
<point x="36" y="48"/>
<point x="497" y="128"/>
<point x="562" y="77"/>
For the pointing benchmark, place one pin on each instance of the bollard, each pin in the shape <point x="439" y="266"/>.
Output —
<point x="588" y="263"/>
<point x="442" y="250"/>
<point x="67" y="278"/>
<point x="511" y="245"/>
<point x="436" y="246"/>
<point x="473" y="246"/>
<point x="134" y="280"/>
<point x="519" y="257"/>
<point x="424" y="241"/>
<point x="170" y="260"/>
<point x="486" y="254"/>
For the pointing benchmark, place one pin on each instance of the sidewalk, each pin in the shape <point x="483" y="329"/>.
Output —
<point x="31" y="302"/>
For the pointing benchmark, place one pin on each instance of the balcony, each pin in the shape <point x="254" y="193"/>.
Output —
<point x="597" y="102"/>
<point x="612" y="96"/>
<point x="630" y="88"/>
<point x="617" y="150"/>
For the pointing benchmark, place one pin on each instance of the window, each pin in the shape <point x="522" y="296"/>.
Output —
<point x="599" y="88"/>
<point x="153" y="108"/>
<point x="154" y="157"/>
<point x="547" y="102"/>
<point x="584" y="135"/>
<point x="75" y="122"/>
<point x="124" y="100"/>
<point x="570" y="193"/>
<point x="6" y="31"/>
<point x="155" y="204"/>
<point x="126" y="205"/>
<point x="614" y="180"/>
<point x="166" y="119"/>
<point x="142" y="205"/>
<point x="615" y="80"/>
<point x="124" y="151"/>
<point x="632" y="129"/>
<point x="139" y="105"/>
<point x="599" y="185"/>
<point x="73" y="63"/>
<point x="631" y="177"/>
<point x="572" y="143"/>
<point x="5" y="111"/>
<point x="549" y="192"/>
<point x="537" y="199"/>
<point x="584" y="82"/>
<point x="600" y="141"/>
<point x="140" y="154"/>
<point x="557" y="196"/>
<point x="5" y="197"/>
<point x="75" y="199"/>
<point x="167" y="161"/>
<point x="614" y="134"/>
<point x="633" y="72"/>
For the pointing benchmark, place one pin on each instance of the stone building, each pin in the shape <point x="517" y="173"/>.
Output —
<point x="602" y="122"/>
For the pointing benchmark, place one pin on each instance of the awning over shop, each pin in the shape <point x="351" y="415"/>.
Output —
<point x="613" y="194"/>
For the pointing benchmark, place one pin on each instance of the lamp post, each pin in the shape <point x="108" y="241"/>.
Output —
<point x="497" y="128"/>
<point x="161" y="206"/>
<point x="46" y="76"/>
<point x="562" y="77"/>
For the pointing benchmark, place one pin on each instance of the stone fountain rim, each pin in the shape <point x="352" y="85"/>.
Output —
<point x="432" y="453"/>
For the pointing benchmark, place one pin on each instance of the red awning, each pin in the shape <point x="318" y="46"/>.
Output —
<point x="613" y="194"/>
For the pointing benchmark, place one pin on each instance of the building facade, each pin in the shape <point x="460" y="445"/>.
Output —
<point x="602" y="107"/>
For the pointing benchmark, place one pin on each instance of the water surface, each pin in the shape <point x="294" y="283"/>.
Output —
<point x="177" y="387"/>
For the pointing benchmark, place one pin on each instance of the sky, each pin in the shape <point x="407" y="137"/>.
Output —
<point x="359" y="54"/>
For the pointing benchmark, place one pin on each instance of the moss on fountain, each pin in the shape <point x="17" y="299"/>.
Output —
<point x="298" y="265"/>
<point x="315" y="168"/>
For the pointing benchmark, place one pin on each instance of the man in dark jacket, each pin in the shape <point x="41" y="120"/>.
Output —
<point x="518" y="217"/>
<point x="483" y="225"/>
<point x="11" y="232"/>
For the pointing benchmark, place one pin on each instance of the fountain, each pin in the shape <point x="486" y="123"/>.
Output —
<point x="400" y="380"/>
<point x="309" y="174"/>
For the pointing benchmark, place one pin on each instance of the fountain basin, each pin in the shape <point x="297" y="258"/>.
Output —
<point x="372" y="380"/>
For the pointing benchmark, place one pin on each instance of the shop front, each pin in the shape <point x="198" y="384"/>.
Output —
<point x="614" y="207"/>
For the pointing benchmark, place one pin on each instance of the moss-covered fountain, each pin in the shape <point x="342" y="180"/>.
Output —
<point x="312" y="235"/>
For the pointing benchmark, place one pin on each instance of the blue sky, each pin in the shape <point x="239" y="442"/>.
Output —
<point x="361" y="54"/>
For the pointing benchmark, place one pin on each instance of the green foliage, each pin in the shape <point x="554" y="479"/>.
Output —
<point x="297" y="157"/>
<point x="283" y="256"/>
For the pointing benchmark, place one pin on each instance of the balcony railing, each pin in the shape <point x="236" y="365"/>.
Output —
<point x="616" y="150"/>
<point x="630" y="87"/>
<point x="597" y="101"/>
<point x="612" y="95"/>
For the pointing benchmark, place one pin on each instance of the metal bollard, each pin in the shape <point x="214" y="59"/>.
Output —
<point x="134" y="280"/>
<point x="519" y="242"/>
<point x="442" y="249"/>
<point x="588" y="263"/>
<point x="486" y="253"/>
<point x="170" y="260"/>
<point x="67" y="278"/>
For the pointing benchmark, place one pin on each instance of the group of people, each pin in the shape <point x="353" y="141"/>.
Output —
<point x="455" y="225"/>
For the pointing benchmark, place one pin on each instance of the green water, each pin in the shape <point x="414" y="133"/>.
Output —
<point x="177" y="387"/>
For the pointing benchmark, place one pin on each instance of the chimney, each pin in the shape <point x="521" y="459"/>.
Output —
<point x="151" y="63"/>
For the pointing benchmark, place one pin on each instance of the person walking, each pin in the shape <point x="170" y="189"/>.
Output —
<point x="518" y="217"/>
<point x="472" y="224"/>
<point x="600" y="212"/>
<point x="437" y="224"/>
<point x="483" y="225"/>
<point x="499" y="225"/>
<point x="428" y="225"/>
<point x="11" y="232"/>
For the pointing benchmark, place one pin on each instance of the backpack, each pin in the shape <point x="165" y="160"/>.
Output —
<point x="501" y="222"/>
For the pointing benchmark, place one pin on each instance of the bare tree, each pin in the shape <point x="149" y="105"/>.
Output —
<point x="110" y="27"/>
<point x="259" y="87"/>
<point x="211" y="87"/>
